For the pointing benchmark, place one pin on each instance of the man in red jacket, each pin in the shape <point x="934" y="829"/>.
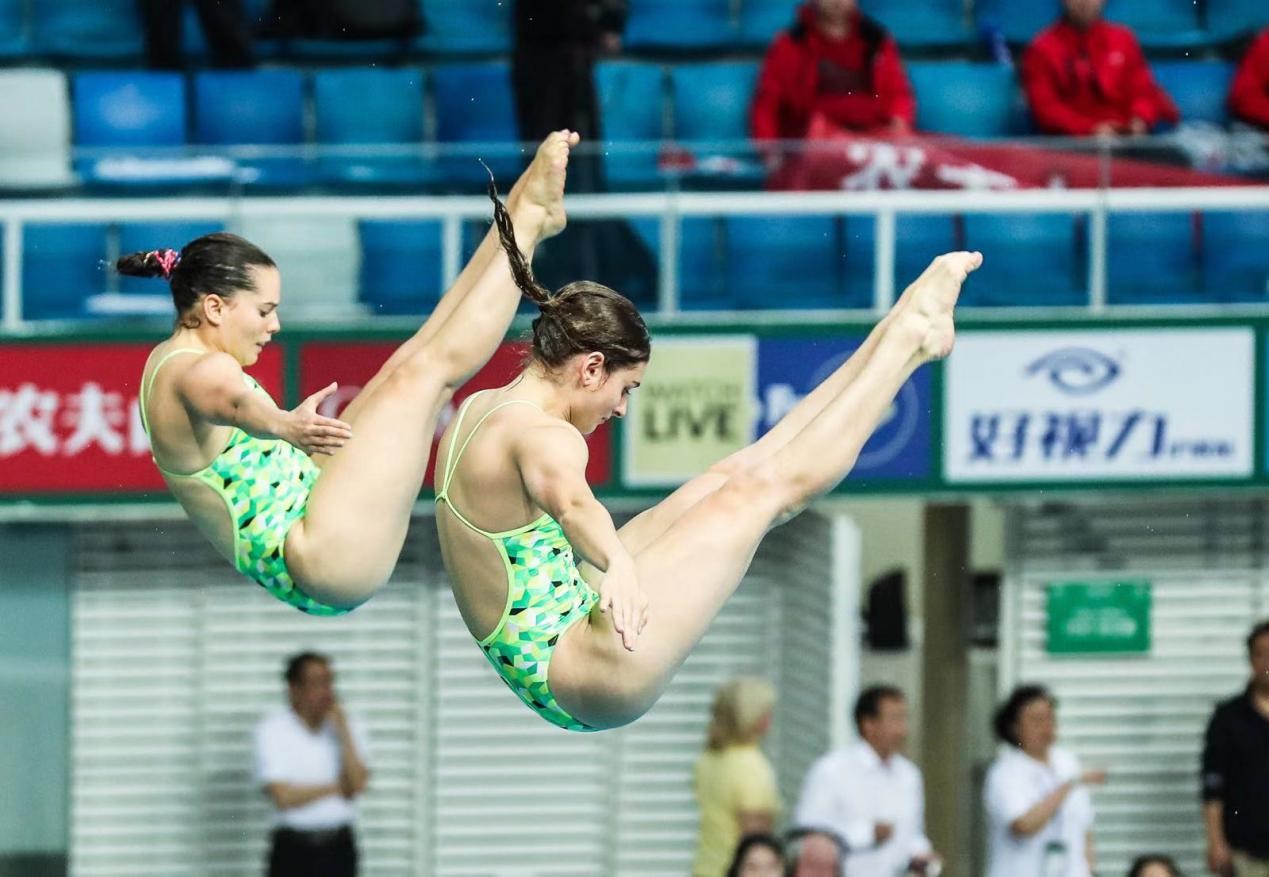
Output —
<point x="1249" y="95"/>
<point x="1084" y="76"/>
<point x="837" y="63"/>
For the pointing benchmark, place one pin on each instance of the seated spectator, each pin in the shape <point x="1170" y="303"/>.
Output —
<point x="837" y="63"/>
<point x="1249" y="94"/>
<point x="735" y="784"/>
<point x="759" y="855"/>
<point x="1154" y="866"/>
<point x="869" y="795"/>
<point x="1084" y="75"/>
<point x="1039" y="811"/>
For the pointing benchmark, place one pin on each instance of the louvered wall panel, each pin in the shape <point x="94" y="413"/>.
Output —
<point x="176" y="659"/>
<point x="1141" y="717"/>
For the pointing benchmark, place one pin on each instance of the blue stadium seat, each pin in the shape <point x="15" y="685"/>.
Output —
<point x="129" y="109"/>
<point x="1233" y="19"/>
<point x="1160" y="23"/>
<point x="918" y="239"/>
<point x="91" y="29"/>
<point x="1199" y="88"/>
<point x="1152" y="259"/>
<point x="1235" y="258"/>
<point x="138" y="236"/>
<point x="475" y="110"/>
<point x="969" y="100"/>
<point x="257" y="108"/>
<point x="702" y="277"/>
<point x="14" y="38"/>
<point x="61" y="268"/>
<point x="761" y="20"/>
<point x="458" y="27"/>
<point x="676" y="24"/>
<point x="1032" y="260"/>
<point x="711" y="115"/>
<point x="784" y="262"/>
<point x="1018" y="21"/>
<point x="387" y="111"/>
<point x="631" y="111"/>
<point x="925" y="23"/>
<point x="400" y="265"/>
<point x="131" y="112"/>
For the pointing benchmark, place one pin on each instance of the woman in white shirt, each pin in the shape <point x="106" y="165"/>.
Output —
<point x="1039" y="811"/>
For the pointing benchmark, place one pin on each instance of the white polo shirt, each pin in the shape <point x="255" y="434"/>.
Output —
<point x="1016" y="782"/>
<point x="848" y="791"/>
<point x="288" y="751"/>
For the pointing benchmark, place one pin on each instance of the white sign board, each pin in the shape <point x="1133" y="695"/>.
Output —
<point x="1154" y="404"/>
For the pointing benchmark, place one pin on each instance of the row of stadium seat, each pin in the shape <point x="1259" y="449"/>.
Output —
<point x="109" y="29"/>
<point x="747" y="262"/>
<point x="398" y="111"/>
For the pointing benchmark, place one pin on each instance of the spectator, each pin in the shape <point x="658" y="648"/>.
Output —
<point x="1154" y="866"/>
<point x="869" y="795"/>
<point x="1236" y="772"/>
<point x="814" y="854"/>
<point x="837" y="63"/>
<point x="1039" y="812"/>
<point x="311" y="760"/>
<point x="1084" y="75"/>
<point x="225" y="28"/>
<point x="735" y="785"/>
<point x="1249" y="94"/>
<point x="759" y="855"/>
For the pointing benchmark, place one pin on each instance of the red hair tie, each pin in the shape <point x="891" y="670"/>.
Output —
<point x="168" y="260"/>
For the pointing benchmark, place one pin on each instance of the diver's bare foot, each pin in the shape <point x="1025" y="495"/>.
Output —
<point x="537" y="198"/>
<point x="924" y="312"/>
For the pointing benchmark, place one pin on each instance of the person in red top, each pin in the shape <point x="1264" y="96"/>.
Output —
<point x="835" y="62"/>
<point x="1083" y="75"/>
<point x="1249" y="95"/>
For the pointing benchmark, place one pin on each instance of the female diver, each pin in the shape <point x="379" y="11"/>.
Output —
<point x="319" y="530"/>
<point x="587" y="623"/>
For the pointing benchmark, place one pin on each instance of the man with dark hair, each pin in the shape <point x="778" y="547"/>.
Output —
<point x="1236" y="772"/>
<point x="311" y="761"/>
<point x="869" y="795"/>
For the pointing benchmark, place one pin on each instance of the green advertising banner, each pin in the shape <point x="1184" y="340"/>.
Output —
<point x="1098" y="618"/>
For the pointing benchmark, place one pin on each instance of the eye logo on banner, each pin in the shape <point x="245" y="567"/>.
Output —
<point x="1076" y="370"/>
<point x="789" y="369"/>
<point x="1154" y="404"/>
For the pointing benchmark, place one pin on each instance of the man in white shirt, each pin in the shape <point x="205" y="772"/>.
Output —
<point x="311" y="761"/>
<point x="870" y="796"/>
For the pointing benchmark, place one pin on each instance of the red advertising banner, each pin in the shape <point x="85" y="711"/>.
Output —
<point x="353" y="364"/>
<point x="70" y="422"/>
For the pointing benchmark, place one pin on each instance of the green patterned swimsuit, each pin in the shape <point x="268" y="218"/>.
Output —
<point x="546" y="594"/>
<point x="264" y="484"/>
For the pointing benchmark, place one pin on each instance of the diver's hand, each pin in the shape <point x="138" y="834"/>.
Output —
<point x="311" y="432"/>
<point x="622" y="600"/>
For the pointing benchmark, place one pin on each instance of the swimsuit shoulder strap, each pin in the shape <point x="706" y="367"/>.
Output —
<point x="452" y="458"/>
<point x="147" y="387"/>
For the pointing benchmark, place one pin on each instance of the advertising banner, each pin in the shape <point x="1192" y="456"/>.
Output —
<point x="1136" y="404"/>
<point x="352" y="364"/>
<point x="695" y="407"/>
<point x="790" y="368"/>
<point x="70" y="421"/>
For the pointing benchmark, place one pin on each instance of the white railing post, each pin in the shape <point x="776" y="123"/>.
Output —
<point x="1097" y="253"/>
<point x="668" y="276"/>
<point x="451" y="249"/>
<point x="884" y="244"/>
<point x="12" y="289"/>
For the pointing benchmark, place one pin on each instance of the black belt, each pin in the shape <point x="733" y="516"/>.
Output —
<point x="321" y="837"/>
